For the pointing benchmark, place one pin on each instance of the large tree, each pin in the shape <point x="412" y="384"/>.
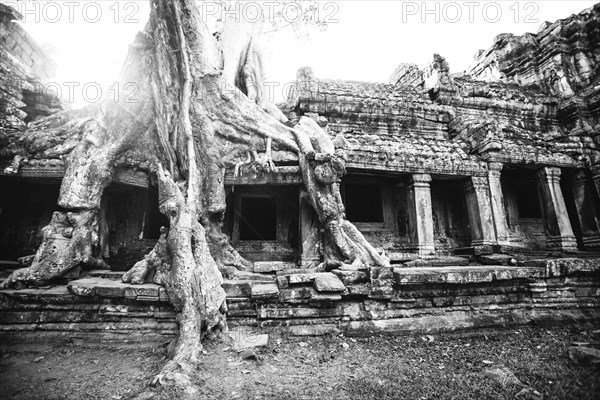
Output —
<point x="198" y="111"/>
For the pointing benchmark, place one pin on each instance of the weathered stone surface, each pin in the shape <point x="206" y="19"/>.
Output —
<point x="328" y="282"/>
<point x="463" y="275"/>
<point x="351" y="277"/>
<point x="504" y="376"/>
<point x="237" y="288"/>
<point x="445" y="261"/>
<point x="291" y="295"/>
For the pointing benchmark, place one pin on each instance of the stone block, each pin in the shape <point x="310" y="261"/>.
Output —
<point x="246" y="339"/>
<point x="162" y="295"/>
<point x="145" y="290"/>
<point x="147" y="298"/>
<point x="328" y="282"/>
<point x="282" y="282"/>
<point x="237" y="288"/>
<point x="83" y="287"/>
<point x="110" y="290"/>
<point x="299" y="312"/>
<point x="325" y="297"/>
<point x="300" y="278"/>
<point x="265" y="290"/>
<point x="272" y="266"/>
<point x="314" y="330"/>
<point x="411" y="276"/>
<point x="293" y="295"/>
<point x="105" y="273"/>
<point x="359" y="290"/>
<point x="397" y="257"/>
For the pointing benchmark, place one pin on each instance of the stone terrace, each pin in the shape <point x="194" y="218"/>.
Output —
<point x="422" y="296"/>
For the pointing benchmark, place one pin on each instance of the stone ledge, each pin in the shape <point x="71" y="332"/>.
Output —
<point x="110" y="288"/>
<point x="565" y="266"/>
<point x="464" y="275"/>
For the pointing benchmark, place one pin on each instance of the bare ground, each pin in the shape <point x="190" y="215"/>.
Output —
<point x="446" y="366"/>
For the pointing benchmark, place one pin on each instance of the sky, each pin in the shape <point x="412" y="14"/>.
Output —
<point x="364" y="40"/>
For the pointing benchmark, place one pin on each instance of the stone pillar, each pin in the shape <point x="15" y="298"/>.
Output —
<point x="309" y="233"/>
<point x="420" y="214"/>
<point x="557" y="226"/>
<point x="497" y="199"/>
<point x="479" y="209"/>
<point x="586" y="210"/>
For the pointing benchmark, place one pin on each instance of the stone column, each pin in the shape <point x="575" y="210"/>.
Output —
<point x="479" y="209"/>
<point x="586" y="210"/>
<point x="420" y="215"/>
<point x="557" y="226"/>
<point x="309" y="233"/>
<point x="498" y="209"/>
<point x="595" y="170"/>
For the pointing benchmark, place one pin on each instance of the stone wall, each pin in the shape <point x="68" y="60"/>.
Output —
<point x="396" y="301"/>
<point x="25" y="68"/>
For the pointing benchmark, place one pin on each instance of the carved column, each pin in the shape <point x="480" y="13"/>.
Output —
<point x="479" y="209"/>
<point x="309" y="233"/>
<point x="420" y="214"/>
<point x="586" y="210"/>
<point x="497" y="199"/>
<point x="557" y="226"/>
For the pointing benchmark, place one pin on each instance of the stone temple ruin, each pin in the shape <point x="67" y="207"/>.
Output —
<point x="482" y="188"/>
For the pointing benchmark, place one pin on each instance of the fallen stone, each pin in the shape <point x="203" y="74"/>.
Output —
<point x="504" y="376"/>
<point x="328" y="282"/>
<point x="584" y="355"/>
<point x="244" y="339"/>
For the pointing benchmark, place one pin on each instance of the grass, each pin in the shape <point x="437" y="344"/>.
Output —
<point x="447" y="366"/>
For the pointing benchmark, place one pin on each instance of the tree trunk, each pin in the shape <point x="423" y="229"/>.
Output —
<point x="188" y="125"/>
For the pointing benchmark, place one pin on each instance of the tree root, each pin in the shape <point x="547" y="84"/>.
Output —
<point x="67" y="242"/>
